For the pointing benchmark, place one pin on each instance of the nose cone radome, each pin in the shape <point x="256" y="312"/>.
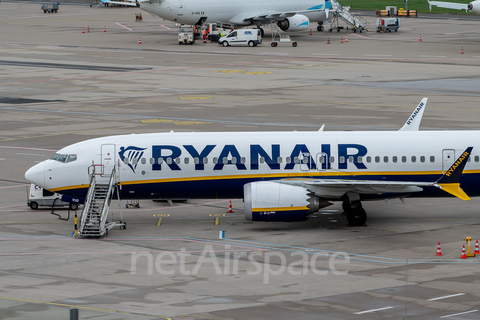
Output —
<point x="36" y="174"/>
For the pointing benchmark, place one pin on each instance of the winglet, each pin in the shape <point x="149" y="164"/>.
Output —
<point x="450" y="181"/>
<point x="413" y="122"/>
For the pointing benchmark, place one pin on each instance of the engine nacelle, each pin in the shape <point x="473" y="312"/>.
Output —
<point x="273" y="201"/>
<point x="296" y="23"/>
<point x="474" y="6"/>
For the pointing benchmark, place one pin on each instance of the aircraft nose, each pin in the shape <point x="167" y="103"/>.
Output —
<point x="36" y="174"/>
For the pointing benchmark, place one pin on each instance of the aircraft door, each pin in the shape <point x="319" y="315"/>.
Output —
<point x="108" y="158"/>
<point x="323" y="161"/>
<point x="448" y="158"/>
<point x="181" y="10"/>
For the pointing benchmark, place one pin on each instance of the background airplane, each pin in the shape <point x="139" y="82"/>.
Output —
<point x="473" y="6"/>
<point x="291" y="15"/>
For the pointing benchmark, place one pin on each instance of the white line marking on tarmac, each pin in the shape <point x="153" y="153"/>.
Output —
<point x="360" y="36"/>
<point x="378" y="55"/>
<point x="225" y="51"/>
<point x="457" y="314"/>
<point x="445" y="297"/>
<point x="424" y="56"/>
<point x="30" y="154"/>
<point x="2" y="158"/>
<point x="164" y="27"/>
<point x="326" y="54"/>
<point x="279" y="53"/>
<point x="373" y="310"/>
<point x="121" y="25"/>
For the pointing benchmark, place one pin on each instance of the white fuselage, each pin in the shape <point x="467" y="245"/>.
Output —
<point x="217" y="165"/>
<point x="230" y="11"/>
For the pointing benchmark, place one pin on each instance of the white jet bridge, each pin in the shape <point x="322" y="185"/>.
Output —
<point x="93" y="221"/>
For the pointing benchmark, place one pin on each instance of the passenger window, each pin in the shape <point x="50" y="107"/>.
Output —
<point x="134" y="161"/>
<point x="288" y="160"/>
<point x="152" y="160"/>
<point x="414" y="159"/>
<point x="385" y="159"/>
<point x="262" y="160"/>
<point x="422" y="159"/>
<point x="296" y="160"/>
<point x="126" y="161"/>
<point x="205" y="160"/>
<point x="404" y="159"/>
<point x="341" y="159"/>
<point x="243" y="160"/>
<point x="169" y="160"/>
<point x="196" y="160"/>
<point x="394" y="159"/>
<point x="144" y="161"/>
<point x="322" y="159"/>
<point x="360" y="159"/>
<point x="432" y="159"/>
<point x="332" y="159"/>
<point x="215" y="160"/>
<point x="177" y="160"/>
<point x="377" y="159"/>
<point x="234" y="160"/>
<point x="160" y="160"/>
<point x="71" y="158"/>
<point x="225" y="160"/>
<point x="279" y="159"/>
<point x="350" y="159"/>
<point x="476" y="158"/>
<point x="186" y="160"/>
<point x="369" y="159"/>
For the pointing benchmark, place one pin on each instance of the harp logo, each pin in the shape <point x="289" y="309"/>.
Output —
<point x="131" y="156"/>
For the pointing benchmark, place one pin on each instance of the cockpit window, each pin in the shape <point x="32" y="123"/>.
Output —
<point x="64" y="158"/>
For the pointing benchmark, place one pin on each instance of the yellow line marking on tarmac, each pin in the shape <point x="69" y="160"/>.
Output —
<point x="154" y="101"/>
<point x="81" y="307"/>
<point x="162" y="215"/>
<point x="217" y="221"/>
<point x="159" y="222"/>
<point x="217" y="214"/>
<point x="96" y="107"/>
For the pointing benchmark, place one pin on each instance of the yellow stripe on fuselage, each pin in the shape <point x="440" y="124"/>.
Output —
<point x="280" y="209"/>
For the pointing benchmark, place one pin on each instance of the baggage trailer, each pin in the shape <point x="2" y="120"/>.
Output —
<point x="186" y="34"/>
<point x="49" y="7"/>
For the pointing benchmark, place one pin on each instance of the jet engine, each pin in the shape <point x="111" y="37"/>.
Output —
<point x="474" y="6"/>
<point x="274" y="201"/>
<point x="296" y="23"/>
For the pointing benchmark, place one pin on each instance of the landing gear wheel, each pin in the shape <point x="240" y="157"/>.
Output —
<point x="356" y="217"/>
<point x="73" y="206"/>
<point x="294" y="44"/>
<point x="33" y="205"/>
<point x="319" y="28"/>
<point x="225" y="43"/>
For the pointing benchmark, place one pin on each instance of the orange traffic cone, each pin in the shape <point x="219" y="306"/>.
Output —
<point x="83" y="29"/>
<point x="230" y="207"/>
<point x="439" y="251"/>
<point x="464" y="256"/>
<point x="461" y="51"/>
<point x="310" y="31"/>
<point x="420" y="38"/>
<point x="104" y="28"/>
<point x="328" y="41"/>
<point x="139" y="40"/>
<point x="88" y="29"/>
<point x="346" y="38"/>
<point x="341" y="39"/>
<point x="477" y="251"/>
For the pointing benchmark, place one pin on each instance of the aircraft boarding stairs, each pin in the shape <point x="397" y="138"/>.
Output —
<point x="93" y="221"/>
<point x="354" y="22"/>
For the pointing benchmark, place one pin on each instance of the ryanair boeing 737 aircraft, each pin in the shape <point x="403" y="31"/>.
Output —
<point x="282" y="176"/>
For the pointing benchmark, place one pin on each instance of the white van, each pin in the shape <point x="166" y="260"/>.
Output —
<point x="250" y="37"/>
<point x="37" y="196"/>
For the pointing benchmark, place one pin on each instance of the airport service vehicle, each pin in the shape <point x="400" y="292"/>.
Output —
<point x="282" y="176"/>
<point x="186" y="34"/>
<point x="37" y="196"/>
<point x="289" y="15"/>
<point x="49" y="7"/>
<point x="250" y="37"/>
<point x="387" y="24"/>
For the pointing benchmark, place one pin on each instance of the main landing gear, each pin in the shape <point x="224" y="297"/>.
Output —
<point x="356" y="215"/>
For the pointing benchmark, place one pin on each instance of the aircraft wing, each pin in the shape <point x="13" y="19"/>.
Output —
<point x="126" y="3"/>
<point x="448" y="5"/>
<point x="449" y="182"/>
